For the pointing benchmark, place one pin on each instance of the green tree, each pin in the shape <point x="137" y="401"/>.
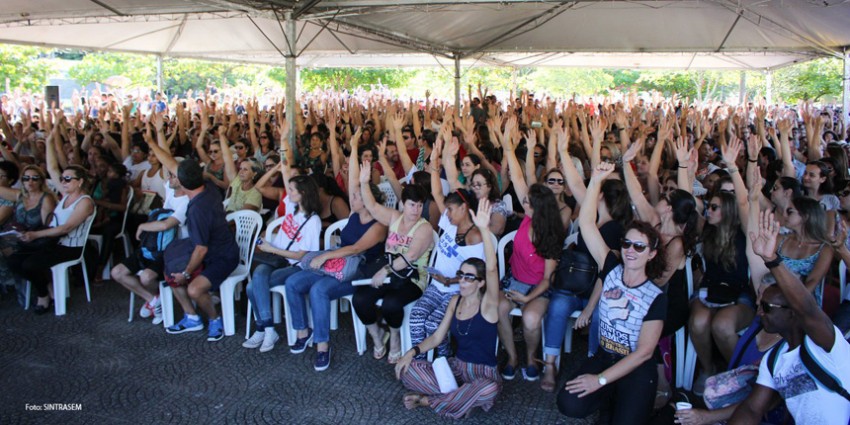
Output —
<point x="347" y="78"/>
<point x="97" y="67"/>
<point x="180" y="75"/>
<point x="809" y="80"/>
<point x="20" y="65"/>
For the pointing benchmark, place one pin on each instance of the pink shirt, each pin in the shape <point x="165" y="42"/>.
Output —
<point x="526" y="266"/>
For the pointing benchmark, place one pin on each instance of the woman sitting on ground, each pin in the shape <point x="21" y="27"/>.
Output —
<point x="408" y="249"/>
<point x="471" y="318"/>
<point x="299" y="233"/>
<point x="68" y="224"/>
<point x="242" y="195"/>
<point x="460" y="241"/>
<point x="631" y="315"/>
<point x="363" y="236"/>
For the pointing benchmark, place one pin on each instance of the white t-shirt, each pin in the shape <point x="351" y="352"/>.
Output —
<point x="807" y="400"/>
<point x="450" y="255"/>
<point x="305" y="240"/>
<point x="136" y="169"/>
<point x="179" y="204"/>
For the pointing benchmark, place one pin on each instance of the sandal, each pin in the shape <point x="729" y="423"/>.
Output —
<point x="548" y="382"/>
<point x="378" y="352"/>
<point x="393" y="358"/>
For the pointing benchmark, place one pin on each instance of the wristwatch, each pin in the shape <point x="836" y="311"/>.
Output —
<point x="602" y="380"/>
<point x="186" y="275"/>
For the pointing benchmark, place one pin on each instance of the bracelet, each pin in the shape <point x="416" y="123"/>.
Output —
<point x="773" y="263"/>
<point x="752" y="160"/>
<point x="731" y="170"/>
<point x="685" y="166"/>
<point x="416" y="351"/>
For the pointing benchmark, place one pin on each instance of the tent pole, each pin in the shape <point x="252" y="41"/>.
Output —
<point x="742" y="89"/>
<point x="846" y="103"/>
<point x="457" y="84"/>
<point x="768" y="81"/>
<point x="291" y="79"/>
<point x="159" y="73"/>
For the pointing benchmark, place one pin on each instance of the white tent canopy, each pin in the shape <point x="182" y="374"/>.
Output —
<point x="708" y="34"/>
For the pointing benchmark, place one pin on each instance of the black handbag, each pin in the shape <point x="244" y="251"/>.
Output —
<point x="274" y="260"/>
<point x="576" y="273"/>
<point x="722" y="293"/>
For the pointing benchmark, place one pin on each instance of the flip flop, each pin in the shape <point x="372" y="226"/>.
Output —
<point x="394" y="357"/>
<point x="378" y="352"/>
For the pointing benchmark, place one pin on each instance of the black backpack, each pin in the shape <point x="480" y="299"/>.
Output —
<point x="153" y="244"/>
<point x="812" y="367"/>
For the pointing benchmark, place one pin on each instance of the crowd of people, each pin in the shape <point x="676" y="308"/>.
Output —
<point x="475" y="224"/>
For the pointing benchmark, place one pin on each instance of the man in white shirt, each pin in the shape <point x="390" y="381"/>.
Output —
<point x="789" y="309"/>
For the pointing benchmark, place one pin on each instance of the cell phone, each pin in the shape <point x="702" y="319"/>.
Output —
<point x="433" y="271"/>
<point x="536" y="124"/>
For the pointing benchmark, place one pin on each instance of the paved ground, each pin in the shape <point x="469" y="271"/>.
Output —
<point x="122" y="372"/>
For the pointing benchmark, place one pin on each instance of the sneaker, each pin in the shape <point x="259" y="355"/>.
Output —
<point x="216" y="331"/>
<point x="269" y="339"/>
<point x="185" y="325"/>
<point x="323" y="360"/>
<point x="149" y="309"/>
<point x="508" y="373"/>
<point x="530" y="373"/>
<point x="302" y="343"/>
<point x="255" y="340"/>
<point x="157" y="313"/>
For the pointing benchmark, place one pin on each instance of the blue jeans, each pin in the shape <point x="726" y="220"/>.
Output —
<point x="263" y="279"/>
<point x="562" y="304"/>
<point x="322" y="289"/>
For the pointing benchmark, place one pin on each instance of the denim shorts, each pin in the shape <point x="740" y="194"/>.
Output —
<point x="512" y="284"/>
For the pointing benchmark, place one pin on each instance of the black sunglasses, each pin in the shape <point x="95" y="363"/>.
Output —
<point x="212" y="151"/>
<point x="555" y="181"/>
<point x="469" y="277"/>
<point x="69" y="178"/>
<point x="843" y="193"/>
<point x="768" y="307"/>
<point x="239" y="147"/>
<point x="638" y="246"/>
<point x="714" y="207"/>
<point x="28" y="178"/>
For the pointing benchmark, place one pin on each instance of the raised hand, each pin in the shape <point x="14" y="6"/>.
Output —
<point x="482" y="217"/>
<point x="355" y="140"/>
<point x="730" y="151"/>
<point x="682" y="151"/>
<point x="764" y="242"/>
<point x="602" y="171"/>
<point x="632" y="151"/>
<point x="365" y="171"/>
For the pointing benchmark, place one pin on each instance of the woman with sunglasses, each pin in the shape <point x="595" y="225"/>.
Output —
<point x="214" y="170"/>
<point x="631" y="314"/>
<point x="242" y="193"/>
<point x="536" y="250"/>
<point x="67" y="225"/>
<point x="460" y="241"/>
<point x="32" y="206"/>
<point x="470" y="318"/>
<point x="724" y="303"/>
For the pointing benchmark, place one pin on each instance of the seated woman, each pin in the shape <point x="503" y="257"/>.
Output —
<point x="362" y="236"/>
<point x="68" y="223"/>
<point x="242" y="195"/>
<point x="33" y="205"/>
<point x="631" y="314"/>
<point x="459" y="242"/>
<point x="149" y="183"/>
<point x="408" y="248"/>
<point x="9" y="173"/>
<point x="471" y="318"/>
<point x="110" y="194"/>
<point x="299" y="233"/>
<point x="214" y="160"/>
<point x="805" y="251"/>
<point x="537" y="248"/>
<point x="332" y="199"/>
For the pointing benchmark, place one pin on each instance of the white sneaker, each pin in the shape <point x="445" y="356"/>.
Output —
<point x="157" y="313"/>
<point x="255" y="340"/>
<point x="270" y="338"/>
<point x="149" y="308"/>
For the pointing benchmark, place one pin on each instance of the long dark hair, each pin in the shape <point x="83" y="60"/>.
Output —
<point x="685" y="214"/>
<point x="719" y="239"/>
<point x="654" y="267"/>
<point x="488" y="175"/>
<point x="546" y="224"/>
<point x="617" y="200"/>
<point x="480" y="270"/>
<point x="309" y="191"/>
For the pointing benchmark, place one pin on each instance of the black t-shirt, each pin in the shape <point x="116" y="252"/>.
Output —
<point x="612" y="232"/>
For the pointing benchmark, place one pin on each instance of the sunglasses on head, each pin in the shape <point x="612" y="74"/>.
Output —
<point x="638" y="246"/>
<point x="469" y="277"/>
<point x="28" y="178"/>
<point x="555" y="181"/>
<point x="68" y="178"/>
<point x="768" y="307"/>
<point x="714" y="207"/>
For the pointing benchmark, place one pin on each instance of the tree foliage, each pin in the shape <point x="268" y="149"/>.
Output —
<point x="20" y="65"/>
<point x="181" y="75"/>
<point x="810" y="80"/>
<point x="97" y="67"/>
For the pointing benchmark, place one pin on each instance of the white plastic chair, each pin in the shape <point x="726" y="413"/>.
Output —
<point x="842" y="281"/>
<point x="279" y="292"/>
<point x="269" y="235"/>
<point x="61" y="289"/>
<point x="391" y="199"/>
<point x="500" y="252"/>
<point x="125" y="238"/>
<point x="360" y="328"/>
<point x="248" y="226"/>
<point x="509" y="202"/>
<point x="685" y="377"/>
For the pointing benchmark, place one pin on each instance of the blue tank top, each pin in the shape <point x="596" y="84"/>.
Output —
<point x="354" y="230"/>
<point x="476" y="339"/>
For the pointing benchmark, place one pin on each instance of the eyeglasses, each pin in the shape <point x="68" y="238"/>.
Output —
<point x="606" y="159"/>
<point x="555" y="181"/>
<point x="727" y="191"/>
<point x="239" y="147"/>
<point x="405" y="137"/>
<point x="767" y="307"/>
<point x="264" y="137"/>
<point x="477" y="185"/>
<point x="212" y="151"/>
<point x="843" y="193"/>
<point x="67" y="179"/>
<point x="714" y="207"/>
<point x="469" y="277"/>
<point x="537" y="154"/>
<point x="28" y="178"/>
<point x="638" y="246"/>
<point x="268" y="166"/>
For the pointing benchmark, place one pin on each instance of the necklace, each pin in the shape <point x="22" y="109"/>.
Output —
<point x="458" y="320"/>
<point x="460" y="238"/>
